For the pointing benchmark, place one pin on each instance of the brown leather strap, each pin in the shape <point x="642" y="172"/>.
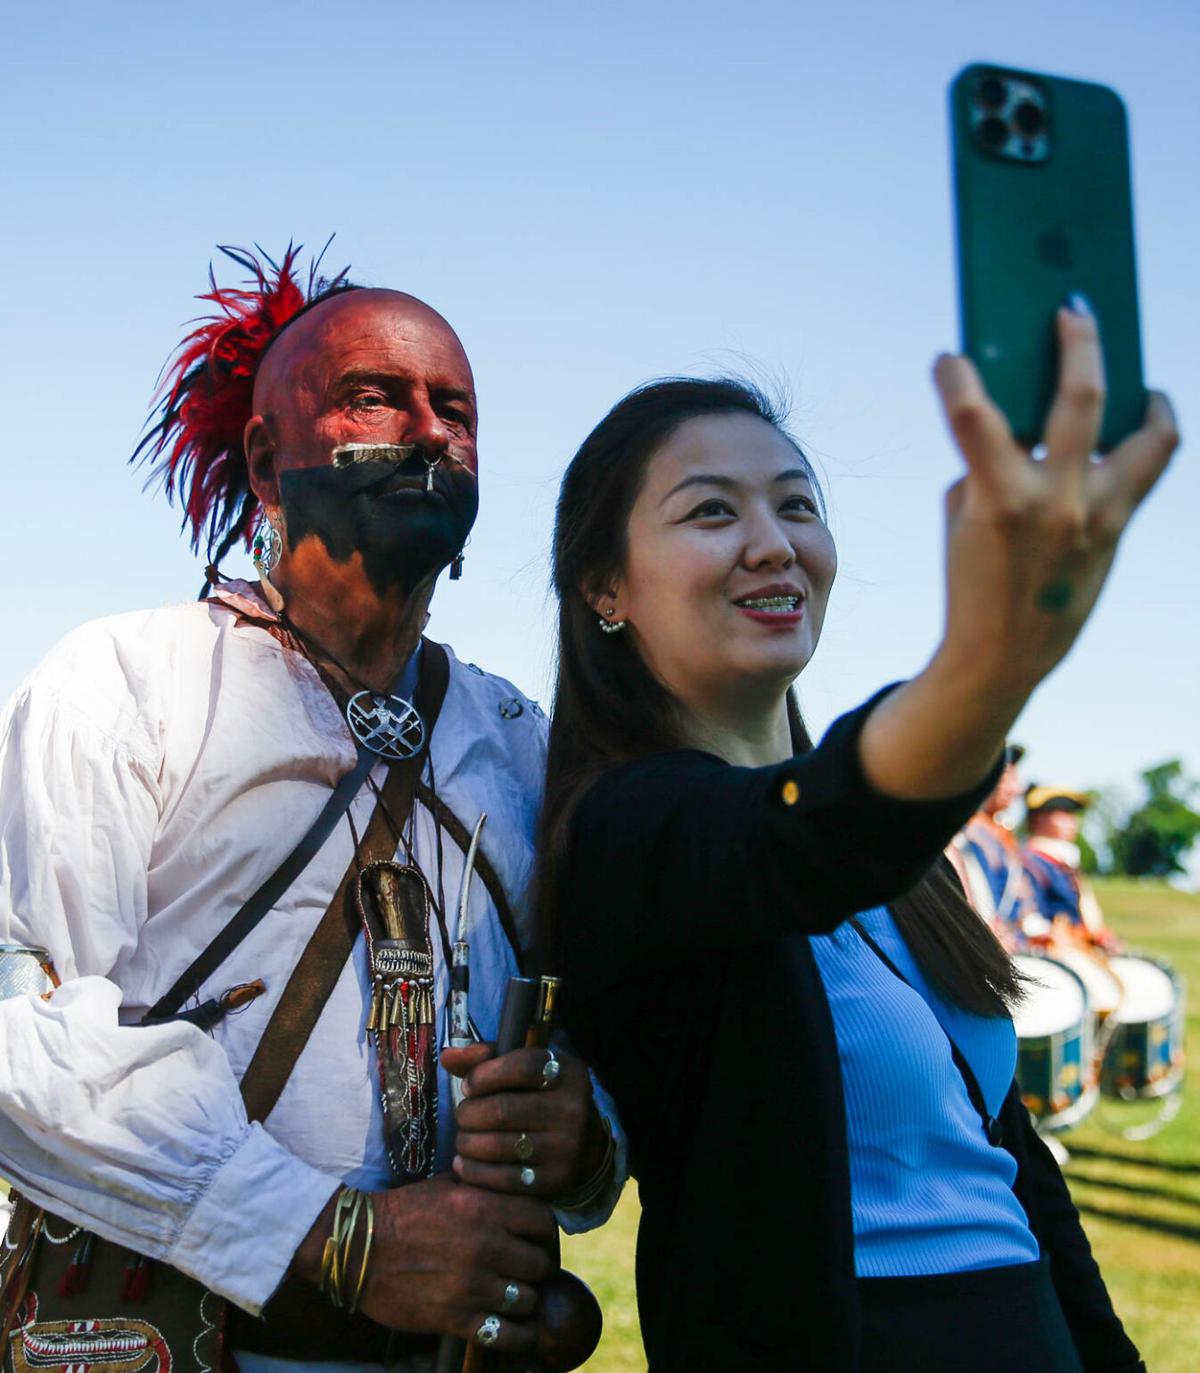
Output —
<point x="320" y="965"/>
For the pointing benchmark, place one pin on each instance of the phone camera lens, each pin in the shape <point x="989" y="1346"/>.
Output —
<point x="993" y="132"/>
<point x="992" y="92"/>
<point x="1029" y="118"/>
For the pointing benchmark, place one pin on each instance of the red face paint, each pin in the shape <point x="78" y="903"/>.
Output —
<point x="368" y="367"/>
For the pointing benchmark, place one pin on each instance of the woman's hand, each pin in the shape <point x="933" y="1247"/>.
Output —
<point x="516" y="1134"/>
<point x="1030" y="542"/>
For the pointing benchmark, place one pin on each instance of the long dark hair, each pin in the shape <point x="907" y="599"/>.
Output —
<point x="611" y="709"/>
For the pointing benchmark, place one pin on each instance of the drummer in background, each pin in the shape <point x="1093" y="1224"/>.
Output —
<point x="1062" y="894"/>
<point x="987" y="857"/>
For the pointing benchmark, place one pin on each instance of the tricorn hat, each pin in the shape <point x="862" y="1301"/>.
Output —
<point x="1056" y="798"/>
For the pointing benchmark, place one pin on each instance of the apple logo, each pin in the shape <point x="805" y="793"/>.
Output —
<point x="1054" y="248"/>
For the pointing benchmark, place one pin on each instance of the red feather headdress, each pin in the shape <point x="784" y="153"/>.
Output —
<point x="194" y="437"/>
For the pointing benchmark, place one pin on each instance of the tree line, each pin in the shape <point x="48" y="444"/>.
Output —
<point x="1154" y="837"/>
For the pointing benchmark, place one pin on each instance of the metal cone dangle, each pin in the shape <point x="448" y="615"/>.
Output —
<point x="387" y="725"/>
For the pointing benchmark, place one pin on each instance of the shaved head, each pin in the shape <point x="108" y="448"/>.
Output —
<point x="363" y="310"/>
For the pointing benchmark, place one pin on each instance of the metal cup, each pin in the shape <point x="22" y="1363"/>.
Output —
<point x="23" y="971"/>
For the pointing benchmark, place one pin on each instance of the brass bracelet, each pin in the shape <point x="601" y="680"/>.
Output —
<point x="330" y="1257"/>
<point x="368" y="1238"/>
<point x="328" y="1254"/>
<point x="594" y="1188"/>
<point x="335" y="1258"/>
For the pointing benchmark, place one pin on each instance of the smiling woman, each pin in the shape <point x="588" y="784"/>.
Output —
<point x="805" y="1027"/>
<point x="692" y="519"/>
<point x="728" y="507"/>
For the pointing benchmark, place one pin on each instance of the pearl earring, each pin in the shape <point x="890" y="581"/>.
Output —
<point x="610" y="626"/>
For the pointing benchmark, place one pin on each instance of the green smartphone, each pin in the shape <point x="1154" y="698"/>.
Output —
<point x="1044" y="208"/>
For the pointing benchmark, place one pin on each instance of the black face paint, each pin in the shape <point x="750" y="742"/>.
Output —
<point x="382" y="510"/>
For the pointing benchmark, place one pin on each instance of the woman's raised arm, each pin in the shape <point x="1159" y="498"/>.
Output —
<point x="1029" y="544"/>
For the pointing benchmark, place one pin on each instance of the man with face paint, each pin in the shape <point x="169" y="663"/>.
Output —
<point x="381" y="381"/>
<point x="157" y="766"/>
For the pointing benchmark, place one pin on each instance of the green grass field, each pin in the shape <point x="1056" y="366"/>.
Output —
<point x="1140" y="1202"/>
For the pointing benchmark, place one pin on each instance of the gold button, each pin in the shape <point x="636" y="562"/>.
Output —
<point x="790" y="793"/>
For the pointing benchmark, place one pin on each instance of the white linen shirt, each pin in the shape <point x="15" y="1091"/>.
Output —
<point x="154" y="770"/>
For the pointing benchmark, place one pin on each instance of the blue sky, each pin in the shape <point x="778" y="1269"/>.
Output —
<point x="593" y="195"/>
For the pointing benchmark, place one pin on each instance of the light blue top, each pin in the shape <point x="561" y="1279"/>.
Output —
<point x="928" y="1192"/>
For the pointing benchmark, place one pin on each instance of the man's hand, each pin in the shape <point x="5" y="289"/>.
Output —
<point x="443" y="1256"/>
<point x="510" y="1126"/>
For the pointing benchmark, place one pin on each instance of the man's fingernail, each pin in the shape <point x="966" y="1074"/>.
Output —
<point x="457" y="1165"/>
<point x="1078" y="304"/>
<point x="466" y="1087"/>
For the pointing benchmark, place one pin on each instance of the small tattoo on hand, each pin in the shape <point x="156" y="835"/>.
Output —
<point x="1054" y="597"/>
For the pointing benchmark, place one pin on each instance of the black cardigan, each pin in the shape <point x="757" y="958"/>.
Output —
<point x="689" y="891"/>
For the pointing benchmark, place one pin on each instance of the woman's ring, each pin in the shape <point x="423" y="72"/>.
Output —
<point x="512" y="1295"/>
<point x="523" y="1148"/>
<point x="550" y="1070"/>
<point x="528" y="1177"/>
<point x="489" y="1332"/>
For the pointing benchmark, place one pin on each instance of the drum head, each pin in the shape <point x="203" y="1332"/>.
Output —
<point x="1150" y="993"/>
<point x="1055" y="998"/>
<point x="1103" y="989"/>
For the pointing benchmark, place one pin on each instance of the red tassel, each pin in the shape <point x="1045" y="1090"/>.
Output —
<point x="135" y="1284"/>
<point x="79" y="1270"/>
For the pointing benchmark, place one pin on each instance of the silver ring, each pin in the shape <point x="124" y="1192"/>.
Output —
<point x="489" y="1332"/>
<point x="523" y="1147"/>
<point x="528" y="1177"/>
<point x="550" y="1070"/>
<point x="512" y="1295"/>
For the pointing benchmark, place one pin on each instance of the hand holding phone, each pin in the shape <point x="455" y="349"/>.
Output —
<point x="1029" y="545"/>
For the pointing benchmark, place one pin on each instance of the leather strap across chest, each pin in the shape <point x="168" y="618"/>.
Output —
<point x="320" y="965"/>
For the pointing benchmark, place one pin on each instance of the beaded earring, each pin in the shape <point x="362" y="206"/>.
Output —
<point x="266" y="548"/>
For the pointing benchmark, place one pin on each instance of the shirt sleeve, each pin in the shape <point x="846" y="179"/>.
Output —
<point x="682" y="852"/>
<point x="136" y="1133"/>
<point x="577" y="1222"/>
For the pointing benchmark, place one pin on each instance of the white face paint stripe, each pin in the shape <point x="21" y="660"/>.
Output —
<point x="347" y="454"/>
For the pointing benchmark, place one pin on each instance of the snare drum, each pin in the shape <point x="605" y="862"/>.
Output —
<point x="1145" y="1055"/>
<point x="1054" y="1043"/>
<point x="1103" y="989"/>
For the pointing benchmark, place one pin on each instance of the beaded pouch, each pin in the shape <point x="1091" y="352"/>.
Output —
<point x="394" y="902"/>
<point x="70" y="1301"/>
